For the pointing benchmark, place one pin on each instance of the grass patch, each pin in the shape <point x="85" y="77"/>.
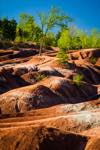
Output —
<point x="39" y="77"/>
<point x="77" y="79"/>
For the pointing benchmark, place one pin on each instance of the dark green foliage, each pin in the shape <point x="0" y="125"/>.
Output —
<point x="15" y="47"/>
<point x="8" y="29"/>
<point x="12" y="29"/>
<point x="76" y="43"/>
<point x="1" y="35"/>
<point x="19" y="34"/>
<point x="5" y="44"/>
<point x="93" y="60"/>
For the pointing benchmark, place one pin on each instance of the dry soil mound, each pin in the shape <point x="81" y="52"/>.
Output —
<point x="41" y="138"/>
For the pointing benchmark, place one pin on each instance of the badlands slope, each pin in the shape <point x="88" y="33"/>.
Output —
<point x="40" y="106"/>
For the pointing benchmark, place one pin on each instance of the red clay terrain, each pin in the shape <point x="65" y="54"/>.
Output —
<point x="41" y="108"/>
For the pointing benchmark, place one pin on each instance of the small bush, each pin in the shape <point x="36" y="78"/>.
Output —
<point x="5" y="44"/>
<point x="77" y="79"/>
<point x="15" y="47"/>
<point x="39" y="77"/>
<point x="62" y="56"/>
<point x="93" y="60"/>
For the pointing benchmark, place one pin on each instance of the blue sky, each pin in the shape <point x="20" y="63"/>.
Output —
<point x="86" y="13"/>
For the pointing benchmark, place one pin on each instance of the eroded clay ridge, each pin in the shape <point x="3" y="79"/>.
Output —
<point x="41" y="108"/>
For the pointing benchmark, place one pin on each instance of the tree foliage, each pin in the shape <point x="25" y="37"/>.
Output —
<point x="74" y="38"/>
<point x="64" y="40"/>
<point x="62" y="56"/>
<point x="94" y="39"/>
<point x="50" y="39"/>
<point x="67" y="37"/>
<point x="8" y="29"/>
<point x="25" y="27"/>
<point x="48" y="22"/>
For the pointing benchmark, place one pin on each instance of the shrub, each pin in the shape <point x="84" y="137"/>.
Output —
<point x="77" y="79"/>
<point x="15" y="47"/>
<point x="62" y="56"/>
<point x="5" y="44"/>
<point x="39" y="77"/>
<point x="93" y="60"/>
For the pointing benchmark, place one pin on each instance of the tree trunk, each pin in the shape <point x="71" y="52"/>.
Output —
<point x="40" y="51"/>
<point x="41" y="46"/>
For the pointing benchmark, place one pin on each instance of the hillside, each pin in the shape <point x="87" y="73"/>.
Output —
<point x="41" y="105"/>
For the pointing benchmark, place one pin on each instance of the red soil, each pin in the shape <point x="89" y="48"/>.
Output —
<point x="27" y="120"/>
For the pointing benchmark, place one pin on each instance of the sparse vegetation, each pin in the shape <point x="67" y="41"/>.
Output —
<point x="15" y="47"/>
<point x="39" y="77"/>
<point x="77" y="79"/>
<point x="62" y="56"/>
<point x="5" y="44"/>
<point x="93" y="60"/>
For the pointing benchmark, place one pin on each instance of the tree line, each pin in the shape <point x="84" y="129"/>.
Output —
<point x="67" y="37"/>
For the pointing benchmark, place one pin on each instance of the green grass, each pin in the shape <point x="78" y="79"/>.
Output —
<point x="39" y="77"/>
<point x="77" y="79"/>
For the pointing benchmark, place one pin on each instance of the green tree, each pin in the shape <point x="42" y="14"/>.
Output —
<point x="94" y="39"/>
<point x="26" y="25"/>
<point x="65" y="40"/>
<point x="37" y="34"/>
<point x="84" y="37"/>
<point x="19" y="34"/>
<point x="76" y="43"/>
<point x="48" y="22"/>
<point x="98" y="42"/>
<point x="12" y="29"/>
<point x="69" y="39"/>
<point x="8" y="29"/>
<point x="1" y="35"/>
<point x="75" y="38"/>
<point x="50" y="39"/>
